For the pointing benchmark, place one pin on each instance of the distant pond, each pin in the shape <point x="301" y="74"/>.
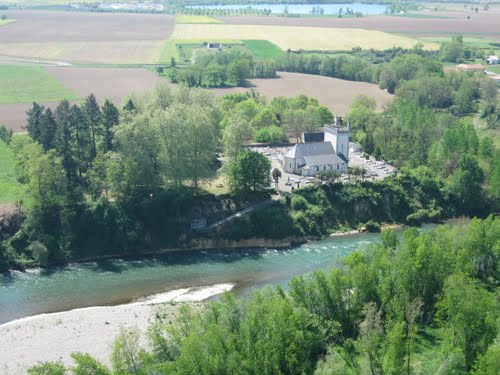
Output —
<point x="366" y="9"/>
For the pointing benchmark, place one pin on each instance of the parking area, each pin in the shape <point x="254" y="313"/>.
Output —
<point x="375" y="170"/>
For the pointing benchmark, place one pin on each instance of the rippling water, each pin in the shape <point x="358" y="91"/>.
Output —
<point x="120" y="281"/>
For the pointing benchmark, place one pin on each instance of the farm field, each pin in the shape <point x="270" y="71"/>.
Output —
<point x="184" y="18"/>
<point x="27" y="84"/>
<point x="335" y="93"/>
<point x="295" y="37"/>
<point x="99" y="38"/>
<point x="483" y="24"/>
<point x="263" y="48"/>
<point x="113" y="83"/>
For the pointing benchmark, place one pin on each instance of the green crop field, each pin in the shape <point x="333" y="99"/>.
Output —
<point x="298" y="37"/>
<point x="184" y="18"/>
<point x="23" y="84"/>
<point x="263" y="48"/>
<point x="10" y="189"/>
<point x="171" y="47"/>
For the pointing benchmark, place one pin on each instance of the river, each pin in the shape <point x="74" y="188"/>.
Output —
<point x="365" y="9"/>
<point x="119" y="281"/>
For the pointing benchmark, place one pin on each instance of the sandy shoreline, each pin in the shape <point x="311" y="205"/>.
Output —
<point x="53" y="337"/>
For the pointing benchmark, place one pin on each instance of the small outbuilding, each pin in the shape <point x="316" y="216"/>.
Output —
<point x="492" y="60"/>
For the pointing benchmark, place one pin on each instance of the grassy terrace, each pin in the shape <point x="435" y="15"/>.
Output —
<point x="24" y="84"/>
<point x="263" y="48"/>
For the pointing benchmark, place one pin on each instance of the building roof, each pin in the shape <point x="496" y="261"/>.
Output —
<point x="323" y="160"/>
<point x="310" y="149"/>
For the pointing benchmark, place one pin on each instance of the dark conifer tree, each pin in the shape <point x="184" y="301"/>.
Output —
<point x="81" y="132"/>
<point x="93" y="116"/>
<point x="110" y="116"/>
<point x="129" y="106"/>
<point x="33" y="121"/>
<point x="48" y="130"/>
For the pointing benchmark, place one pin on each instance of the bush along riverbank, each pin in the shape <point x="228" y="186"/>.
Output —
<point x="105" y="228"/>
<point x="161" y="222"/>
<point x="410" y="198"/>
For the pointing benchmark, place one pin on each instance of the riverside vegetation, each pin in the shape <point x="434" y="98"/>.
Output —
<point x="101" y="180"/>
<point x="423" y="304"/>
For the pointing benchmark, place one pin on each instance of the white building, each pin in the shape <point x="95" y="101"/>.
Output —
<point x="493" y="59"/>
<point x="311" y="158"/>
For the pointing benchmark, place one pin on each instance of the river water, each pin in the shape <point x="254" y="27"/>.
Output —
<point x="120" y="281"/>
<point x="366" y="9"/>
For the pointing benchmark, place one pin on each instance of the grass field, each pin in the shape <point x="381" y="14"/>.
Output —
<point x="170" y="47"/>
<point x="263" y="48"/>
<point x="184" y="18"/>
<point x="306" y="38"/>
<point x="6" y="22"/>
<point x="27" y="84"/>
<point x="10" y="190"/>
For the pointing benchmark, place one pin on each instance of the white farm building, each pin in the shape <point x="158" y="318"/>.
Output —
<point x="311" y="158"/>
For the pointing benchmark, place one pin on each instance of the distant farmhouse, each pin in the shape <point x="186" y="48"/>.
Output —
<point x="320" y="152"/>
<point x="492" y="60"/>
<point x="213" y="45"/>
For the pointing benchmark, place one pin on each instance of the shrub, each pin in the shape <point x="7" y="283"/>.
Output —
<point x="269" y="134"/>
<point x="372" y="226"/>
<point x="40" y="252"/>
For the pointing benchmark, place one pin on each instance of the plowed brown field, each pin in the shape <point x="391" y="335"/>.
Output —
<point x="336" y="94"/>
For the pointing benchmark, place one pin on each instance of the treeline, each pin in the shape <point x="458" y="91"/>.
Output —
<point x="426" y="303"/>
<point x="103" y="180"/>
<point x="222" y="69"/>
<point x="106" y="181"/>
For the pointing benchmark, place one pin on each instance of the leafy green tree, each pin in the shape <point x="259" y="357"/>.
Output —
<point x="466" y="183"/>
<point x="48" y="368"/>
<point x="235" y="133"/>
<point x="86" y="365"/>
<point x="276" y="173"/>
<point x="371" y="334"/>
<point x="249" y="172"/>
<point x="469" y="314"/>
<point x="126" y="352"/>
<point x="489" y="362"/>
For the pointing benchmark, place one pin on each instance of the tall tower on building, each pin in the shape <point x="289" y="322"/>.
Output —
<point x="338" y="135"/>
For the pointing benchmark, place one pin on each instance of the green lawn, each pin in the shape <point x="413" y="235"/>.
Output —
<point x="24" y="84"/>
<point x="263" y="48"/>
<point x="11" y="191"/>
<point x="171" y="47"/>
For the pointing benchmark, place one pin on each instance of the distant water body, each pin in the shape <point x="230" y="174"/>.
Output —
<point x="121" y="281"/>
<point x="366" y="9"/>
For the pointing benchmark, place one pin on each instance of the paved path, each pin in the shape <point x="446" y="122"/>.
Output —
<point x="245" y="211"/>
